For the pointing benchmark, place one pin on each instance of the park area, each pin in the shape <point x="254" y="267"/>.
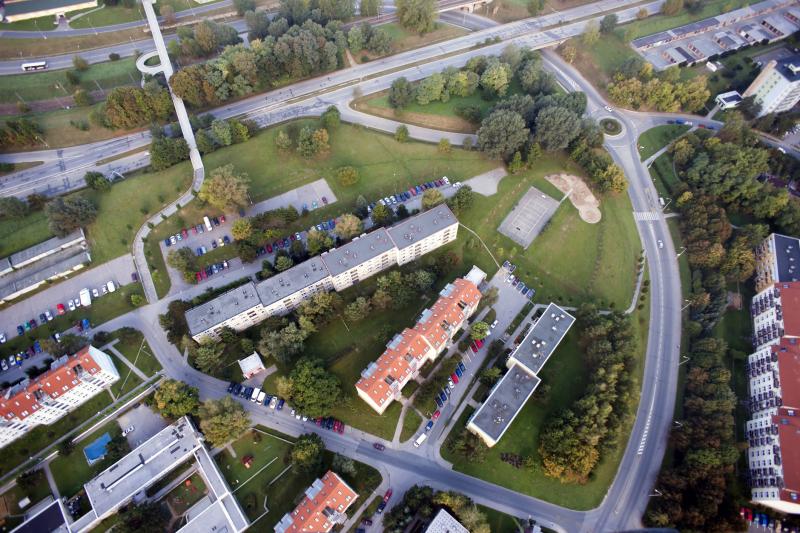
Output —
<point x="269" y="488"/>
<point x="654" y="139"/>
<point x="402" y="39"/>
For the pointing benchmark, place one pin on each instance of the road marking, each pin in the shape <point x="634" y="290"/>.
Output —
<point x="646" y="215"/>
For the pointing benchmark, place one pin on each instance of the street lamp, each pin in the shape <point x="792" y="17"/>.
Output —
<point x="688" y="303"/>
<point x="684" y="360"/>
<point x="683" y="249"/>
<point x="669" y="200"/>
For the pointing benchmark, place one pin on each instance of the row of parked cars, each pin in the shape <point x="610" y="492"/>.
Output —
<point x="411" y="192"/>
<point x="210" y="270"/>
<point x="315" y="205"/>
<point x="215" y="243"/>
<point x="36" y="348"/>
<point x="443" y="396"/>
<point x="517" y="283"/>
<point x="763" y="520"/>
<point x="208" y="225"/>
<point x="258" y="396"/>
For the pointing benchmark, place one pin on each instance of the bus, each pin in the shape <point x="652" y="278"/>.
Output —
<point x="36" y="65"/>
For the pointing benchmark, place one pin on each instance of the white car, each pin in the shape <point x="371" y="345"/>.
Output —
<point x="48" y="315"/>
<point x="2" y="339"/>
<point x="95" y="293"/>
<point x="608" y="108"/>
<point x="128" y="430"/>
<point x="446" y="179"/>
<point x="71" y="305"/>
<point x="77" y="302"/>
<point x="172" y="239"/>
<point x="305" y="418"/>
<point x="494" y="324"/>
<point x="660" y="244"/>
<point x="3" y="364"/>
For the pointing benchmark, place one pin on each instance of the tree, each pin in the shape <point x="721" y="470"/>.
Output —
<point x="82" y="98"/>
<point x="591" y="34"/>
<point x="147" y="516"/>
<point x="417" y="15"/>
<point x="368" y="8"/>
<point x="479" y="331"/>
<point x="671" y="7"/>
<point x="283" y="345"/>
<point x="381" y="215"/>
<point x="535" y="7"/>
<point x="307" y="452"/>
<point x="80" y="63"/>
<point x="462" y="199"/>
<point x="283" y="142"/>
<point x="556" y="127"/>
<point x="469" y="446"/>
<point x="642" y="13"/>
<point x="318" y="242"/>
<point x="166" y="152"/>
<point x="225" y="188"/>
<point x="347" y="176"/>
<point x="222" y="420"/>
<point x="96" y="181"/>
<point x="137" y="300"/>
<point x="222" y="132"/>
<point x="283" y="263"/>
<point x="444" y="146"/>
<point x="431" y="198"/>
<point x="184" y="261"/>
<point x="401" y="133"/>
<point x="401" y="93"/>
<point x="348" y="226"/>
<point x="489" y="376"/>
<point x="430" y="89"/>
<point x="496" y="77"/>
<point x="314" y="390"/>
<point x="516" y="163"/>
<point x="568" y="50"/>
<point x="174" y="399"/>
<point x="609" y="23"/>
<point x="12" y="207"/>
<point x="208" y="357"/>
<point x="355" y="39"/>
<point x="344" y="465"/>
<point x="331" y="118"/>
<point x="242" y="6"/>
<point x="312" y="142"/>
<point x="502" y="133"/>
<point x="242" y="229"/>
<point x="66" y="214"/>
<point x="358" y="309"/>
<point x="168" y="14"/>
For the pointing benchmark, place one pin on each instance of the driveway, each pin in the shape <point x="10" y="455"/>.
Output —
<point x="145" y="424"/>
<point x="118" y="270"/>
<point x="299" y="197"/>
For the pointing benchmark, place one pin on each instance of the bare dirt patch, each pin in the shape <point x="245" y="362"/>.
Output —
<point x="580" y="195"/>
<point x="425" y="120"/>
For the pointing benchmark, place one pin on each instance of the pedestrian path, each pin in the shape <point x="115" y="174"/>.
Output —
<point x="110" y="347"/>
<point x="646" y="216"/>
<point x="51" y="480"/>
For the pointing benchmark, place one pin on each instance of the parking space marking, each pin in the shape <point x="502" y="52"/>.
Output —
<point x="527" y="219"/>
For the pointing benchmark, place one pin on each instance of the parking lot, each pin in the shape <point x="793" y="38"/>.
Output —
<point x="145" y="424"/>
<point x="118" y="270"/>
<point x="527" y="219"/>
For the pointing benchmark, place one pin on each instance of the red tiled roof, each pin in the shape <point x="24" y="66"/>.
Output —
<point x="788" y="352"/>
<point x="446" y="310"/>
<point x="309" y="515"/>
<point x="23" y="403"/>
<point x="393" y="364"/>
<point x="790" y="306"/>
<point x="789" y="442"/>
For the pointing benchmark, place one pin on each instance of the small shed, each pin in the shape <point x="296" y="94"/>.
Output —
<point x="251" y="365"/>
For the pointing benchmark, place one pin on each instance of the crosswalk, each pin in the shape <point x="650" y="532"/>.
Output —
<point x="646" y="215"/>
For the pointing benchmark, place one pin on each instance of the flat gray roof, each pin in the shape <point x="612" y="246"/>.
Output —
<point x="221" y="308"/>
<point x="505" y="401"/>
<point x="42" y="270"/>
<point x="787" y="255"/>
<point x="47" y="246"/>
<point x="543" y="338"/>
<point x="411" y="230"/>
<point x="355" y="252"/>
<point x="142" y="467"/>
<point x="292" y="280"/>
<point x="33" y="6"/>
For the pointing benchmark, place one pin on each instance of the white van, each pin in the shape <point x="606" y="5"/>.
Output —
<point x="254" y="396"/>
<point x="207" y="222"/>
<point x="420" y="440"/>
<point x="110" y="286"/>
<point x="261" y="396"/>
<point x="85" y="297"/>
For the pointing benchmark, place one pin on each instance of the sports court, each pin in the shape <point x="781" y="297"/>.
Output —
<point x="527" y="219"/>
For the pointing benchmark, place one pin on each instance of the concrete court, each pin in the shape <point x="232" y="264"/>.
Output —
<point x="527" y="219"/>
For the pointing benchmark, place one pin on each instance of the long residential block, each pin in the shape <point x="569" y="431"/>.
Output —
<point x="510" y="394"/>
<point x="383" y="380"/>
<point x="323" y="506"/>
<point x="777" y="259"/>
<point x="336" y="269"/>
<point x="70" y="382"/>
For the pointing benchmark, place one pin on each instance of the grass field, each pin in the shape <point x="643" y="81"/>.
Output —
<point x="403" y="39"/>
<point x="57" y="131"/>
<point x="53" y="83"/>
<point x="411" y="423"/>
<point x="499" y="522"/>
<point x="127" y="379"/>
<point x="39" y="490"/>
<point x="663" y="174"/>
<point x="42" y="24"/>
<point x="102" y="310"/>
<point x="139" y="354"/>
<point x="72" y="471"/>
<point x="182" y="497"/>
<point x="657" y="138"/>
<point x="107" y="16"/>
<point x="16" y="235"/>
<point x="37" y="48"/>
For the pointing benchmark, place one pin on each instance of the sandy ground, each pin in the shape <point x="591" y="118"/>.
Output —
<point x="581" y="196"/>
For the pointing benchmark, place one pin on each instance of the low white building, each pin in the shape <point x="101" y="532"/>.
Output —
<point x="70" y="382"/>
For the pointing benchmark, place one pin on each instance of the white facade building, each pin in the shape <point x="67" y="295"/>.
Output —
<point x="70" y="382"/>
<point x="777" y="86"/>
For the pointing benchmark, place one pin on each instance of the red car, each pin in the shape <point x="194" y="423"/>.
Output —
<point x="436" y="415"/>
<point x="319" y="421"/>
<point x="292" y="237"/>
<point x="60" y="309"/>
<point x="269" y="248"/>
<point x="479" y="343"/>
<point x="184" y="233"/>
<point x="222" y="219"/>
<point x="341" y="428"/>
<point x="194" y="230"/>
<point x="454" y="377"/>
<point x="473" y="347"/>
<point x="387" y="495"/>
<point x="198" y="276"/>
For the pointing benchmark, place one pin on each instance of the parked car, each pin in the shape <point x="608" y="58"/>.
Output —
<point x="33" y="323"/>
<point x="128" y="430"/>
<point x="226" y="239"/>
<point x="3" y="365"/>
<point x="436" y="415"/>
<point x="214" y="245"/>
<point x="231" y="386"/>
<point x="324" y="200"/>
<point x="2" y="338"/>
<point x="37" y="347"/>
<point x="378" y="446"/>
<point x="442" y="396"/>
<point x="20" y="330"/>
<point x="60" y="309"/>
<point x="462" y="367"/>
<point x="450" y="383"/>
<point x="48" y="315"/>
<point x="429" y="426"/>
<point x="273" y="402"/>
<point x="439" y="402"/>
<point x="167" y="242"/>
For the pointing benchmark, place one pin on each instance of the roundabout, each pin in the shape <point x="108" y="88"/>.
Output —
<point x="611" y="127"/>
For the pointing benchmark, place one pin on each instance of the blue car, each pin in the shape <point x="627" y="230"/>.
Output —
<point x="280" y="404"/>
<point x="20" y="330"/>
<point x="85" y="324"/>
<point x="442" y="396"/>
<point x="267" y="399"/>
<point x="199" y="251"/>
<point x="37" y="347"/>
<point x="459" y="373"/>
<point x="462" y="367"/>
<point x="439" y="402"/>
<point x="167" y="242"/>
<point x="429" y="426"/>
<point x="520" y="286"/>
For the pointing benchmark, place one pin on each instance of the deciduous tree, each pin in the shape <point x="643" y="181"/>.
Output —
<point x="225" y="188"/>
<point x="222" y="420"/>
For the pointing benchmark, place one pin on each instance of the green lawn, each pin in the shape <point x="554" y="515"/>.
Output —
<point x="663" y="174"/>
<point x="403" y="39"/>
<point x="127" y="379"/>
<point x="182" y="497"/>
<point x="16" y="235"/>
<point x="658" y="23"/>
<point x="36" y="493"/>
<point x="53" y="83"/>
<point x="46" y="23"/>
<point x="139" y="354"/>
<point x="654" y="139"/>
<point x="102" y="310"/>
<point x="72" y="471"/>
<point x="252" y="486"/>
<point x="107" y="16"/>
<point x="37" y="439"/>
<point x="411" y="423"/>
<point x="499" y="522"/>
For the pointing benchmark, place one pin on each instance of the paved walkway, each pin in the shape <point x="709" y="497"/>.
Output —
<point x="51" y="480"/>
<point x="124" y="359"/>
<point x="487" y="183"/>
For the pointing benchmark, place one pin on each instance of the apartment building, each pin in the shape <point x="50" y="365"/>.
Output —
<point x="383" y="380"/>
<point x="777" y="86"/>
<point x="776" y="314"/>
<point x="777" y="259"/>
<point x="69" y="383"/>
<point x="336" y="269"/>
<point x="324" y="505"/>
<point x="773" y="431"/>
<point x="361" y="258"/>
<point x="510" y="394"/>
